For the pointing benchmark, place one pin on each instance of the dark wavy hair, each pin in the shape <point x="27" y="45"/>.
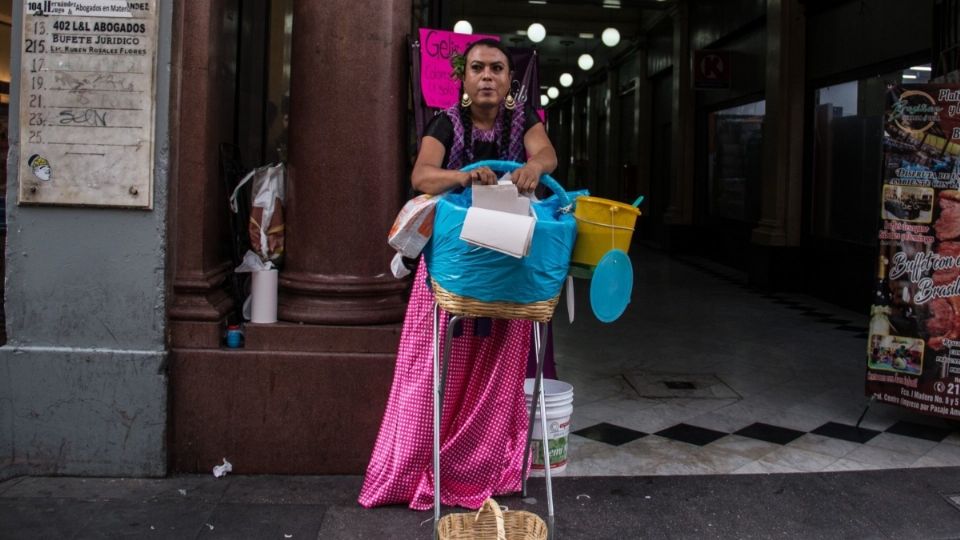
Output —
<point x="507" y="117"/>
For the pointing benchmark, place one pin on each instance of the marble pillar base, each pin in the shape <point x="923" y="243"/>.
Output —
<point x="317" y="299"/>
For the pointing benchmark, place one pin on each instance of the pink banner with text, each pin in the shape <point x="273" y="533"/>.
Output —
<point x="436" y="48"/>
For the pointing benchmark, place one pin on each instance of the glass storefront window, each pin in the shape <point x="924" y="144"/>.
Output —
<point x="735" y="158"/>
<point x="848" y="132"/>
<point x="278" y="80"/>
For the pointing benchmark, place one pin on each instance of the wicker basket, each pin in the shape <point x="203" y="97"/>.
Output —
<point x="538" y="278"/>
<point x="462" y="305"/>
<point x="491" y="523"/>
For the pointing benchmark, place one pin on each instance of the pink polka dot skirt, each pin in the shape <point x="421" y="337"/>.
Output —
<point x="483" y="425"/>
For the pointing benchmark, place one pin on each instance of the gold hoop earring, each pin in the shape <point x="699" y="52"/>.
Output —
<point x="465" y="101"/>
<point x="509" y="102"/>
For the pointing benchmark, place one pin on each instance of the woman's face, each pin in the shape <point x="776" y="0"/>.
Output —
<point x="487" y="76"/>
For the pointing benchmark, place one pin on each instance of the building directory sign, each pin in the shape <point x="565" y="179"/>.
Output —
<point x="913" y="348"/>
<point x="87" y="94"/>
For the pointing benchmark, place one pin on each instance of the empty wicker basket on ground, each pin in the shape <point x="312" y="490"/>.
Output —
<point x="491" y="523"/>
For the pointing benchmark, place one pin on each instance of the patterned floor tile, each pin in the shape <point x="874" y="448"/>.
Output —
<point x="764" y="468"/>
<point x="881" y="458"/>
<point x="919" y="431"/>
<point x="766" y="432"/>
<point x="757" y="349"/>
<point x="845" y="432"/>
<point x="751" y="449"/>
<point x="691" y="434"/>
<point x="824" y="445"/>
<point x="844" y="464"/>
<point x="610" y="434"/>
<point x="903" y="444"/>
<point x="799" y="459"/>
<point x="718" y="421"/>
<point x="943" y="455"/>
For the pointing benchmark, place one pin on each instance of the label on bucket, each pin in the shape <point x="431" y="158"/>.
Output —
<point x="558" y="453"/>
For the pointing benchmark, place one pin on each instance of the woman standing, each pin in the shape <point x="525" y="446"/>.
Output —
<point x="484" y="420"/>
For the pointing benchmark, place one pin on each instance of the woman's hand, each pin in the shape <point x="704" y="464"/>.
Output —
<point x="527" y="177"/>
<point x="482" y="175"/>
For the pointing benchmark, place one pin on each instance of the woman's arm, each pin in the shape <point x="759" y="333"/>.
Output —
<point x="543" y="159"/>
<point x="429" y="177"/>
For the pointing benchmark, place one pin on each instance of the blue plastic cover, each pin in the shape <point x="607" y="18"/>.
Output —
<point x="611" y="286"/>
<point x="489" y="276"/>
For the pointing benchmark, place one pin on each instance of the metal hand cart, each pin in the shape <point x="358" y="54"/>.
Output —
<point x="440" y="363"/>
<point x="461" y="307"/>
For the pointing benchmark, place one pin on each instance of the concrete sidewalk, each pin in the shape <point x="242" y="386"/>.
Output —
<point x="901" y="504"/>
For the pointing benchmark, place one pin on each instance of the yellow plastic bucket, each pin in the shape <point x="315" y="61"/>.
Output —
<point x="602" y="225"/>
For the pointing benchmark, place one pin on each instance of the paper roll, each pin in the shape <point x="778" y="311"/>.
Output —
<point x="507" y="233"/>
<point x="263" y="291"/>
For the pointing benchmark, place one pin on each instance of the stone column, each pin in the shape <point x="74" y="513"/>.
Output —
<point x="204" y="77"/>
<point x="680" y="211"/>
<point x="783" y="126"/>
<point x="346" y="161"/>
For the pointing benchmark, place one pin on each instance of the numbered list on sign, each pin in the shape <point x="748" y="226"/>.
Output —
<point x="87" y="103"/>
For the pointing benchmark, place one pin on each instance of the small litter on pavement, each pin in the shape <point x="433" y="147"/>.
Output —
<point x="221" y="470"/>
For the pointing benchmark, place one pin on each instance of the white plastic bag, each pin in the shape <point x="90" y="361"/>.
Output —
<point x="266" y="226"/>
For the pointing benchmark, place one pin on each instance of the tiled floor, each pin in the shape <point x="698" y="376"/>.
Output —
<point x="705" y="375"/>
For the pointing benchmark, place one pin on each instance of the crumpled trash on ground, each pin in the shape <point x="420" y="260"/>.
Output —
<point x="222" y="470"/>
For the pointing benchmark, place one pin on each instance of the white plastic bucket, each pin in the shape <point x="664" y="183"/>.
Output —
<point x="558" y="400"/>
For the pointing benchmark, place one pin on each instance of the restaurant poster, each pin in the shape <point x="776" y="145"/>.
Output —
<point x="913" y="348"/>
<point x="87" y="103"/>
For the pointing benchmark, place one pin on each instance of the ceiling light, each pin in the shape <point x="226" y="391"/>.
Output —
<point x="908" y="76"/>
<point x="921" y="68"/>
<point x="463" y="27"/>
<point x="541" y="2"/>
<point x="611" y="4"/>
<point x="553" y="92"/>
<point x="566" y="80"/>
<point x="544" y="100"/>
<point x="586" y="35"/>
<point x="536" y="32"/>
<point x="610" y="37"/>
<point x="585" y="62"/>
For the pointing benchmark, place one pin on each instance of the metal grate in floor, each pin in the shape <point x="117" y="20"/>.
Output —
<point x="655" y="385"/>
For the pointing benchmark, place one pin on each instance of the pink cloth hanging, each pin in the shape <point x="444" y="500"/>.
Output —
<point x="483" y="425"/>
